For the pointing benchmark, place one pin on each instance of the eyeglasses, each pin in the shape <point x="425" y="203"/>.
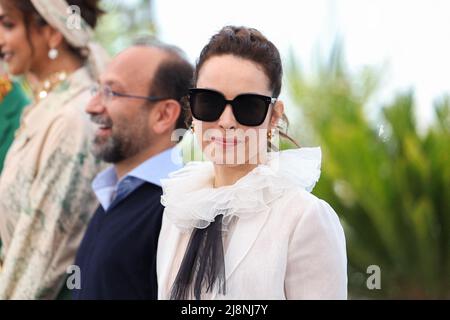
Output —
<point x="249" y="109"/>
<point x="106" y="93"/>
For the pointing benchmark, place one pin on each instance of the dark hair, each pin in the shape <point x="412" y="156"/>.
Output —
<point x="173" y="77"/>
<point x="249" y="44"/>
<point x="90" y="12"/>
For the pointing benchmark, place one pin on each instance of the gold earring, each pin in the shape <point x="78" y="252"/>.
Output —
<point x="192" y="128"/>
<point x="269" y="134"/>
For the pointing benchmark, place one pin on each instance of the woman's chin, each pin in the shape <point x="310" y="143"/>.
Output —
<point x="233" y="157"/>
<point x="227" y="165"/>
<point x="228" y="159"/>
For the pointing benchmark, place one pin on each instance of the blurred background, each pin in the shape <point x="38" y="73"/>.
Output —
<point x="369" y="82"/>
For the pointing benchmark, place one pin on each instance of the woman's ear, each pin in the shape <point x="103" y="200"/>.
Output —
<point x="53" y="37"/>
<point x="277" y="114"/>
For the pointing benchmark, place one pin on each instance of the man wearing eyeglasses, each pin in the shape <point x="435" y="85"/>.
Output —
<point x="135" y="107"/>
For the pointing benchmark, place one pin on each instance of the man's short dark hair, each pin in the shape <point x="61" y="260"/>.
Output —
<point x="173" y="77"/>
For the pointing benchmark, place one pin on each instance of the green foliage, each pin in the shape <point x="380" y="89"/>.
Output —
<point x="389" y="184"/>
<point x="123" y="22"/>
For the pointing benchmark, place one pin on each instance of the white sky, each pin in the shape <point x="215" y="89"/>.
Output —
<point x="412" y="37"/>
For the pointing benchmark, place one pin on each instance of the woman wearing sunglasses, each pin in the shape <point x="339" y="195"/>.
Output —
<point x="243" y="225"/>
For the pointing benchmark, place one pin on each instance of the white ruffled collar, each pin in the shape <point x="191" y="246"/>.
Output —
<point x="191" y="201"/>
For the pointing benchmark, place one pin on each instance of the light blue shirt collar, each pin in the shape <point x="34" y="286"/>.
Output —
<point x="106" y="185"/>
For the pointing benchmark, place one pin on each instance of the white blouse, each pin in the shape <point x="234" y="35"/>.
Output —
<point x="283" y="242"/>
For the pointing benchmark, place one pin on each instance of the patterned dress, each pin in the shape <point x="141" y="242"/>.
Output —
<point x="11" y="107"/>
<point x="45" y="196"/>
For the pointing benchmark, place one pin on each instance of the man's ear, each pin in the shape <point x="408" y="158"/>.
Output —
<point x="165" y="116"/>
<point x="277" y="114"/>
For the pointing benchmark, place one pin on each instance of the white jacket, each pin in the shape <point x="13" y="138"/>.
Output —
<point x="285" y="244"/>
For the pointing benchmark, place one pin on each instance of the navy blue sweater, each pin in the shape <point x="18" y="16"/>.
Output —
<point x="117" y="257"/>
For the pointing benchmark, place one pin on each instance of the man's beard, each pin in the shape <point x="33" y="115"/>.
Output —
<point x="124" y="142"/>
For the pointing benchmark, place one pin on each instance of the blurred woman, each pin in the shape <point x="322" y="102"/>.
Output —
<point x="243" y="225"/>
<point x="45" y="203"/>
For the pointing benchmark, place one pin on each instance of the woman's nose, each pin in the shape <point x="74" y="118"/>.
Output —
<point x="2" y="39"/>
<point x="227" y="119"/>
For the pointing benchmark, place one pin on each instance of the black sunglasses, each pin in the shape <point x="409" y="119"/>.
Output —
<point x="249" y="109"/>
